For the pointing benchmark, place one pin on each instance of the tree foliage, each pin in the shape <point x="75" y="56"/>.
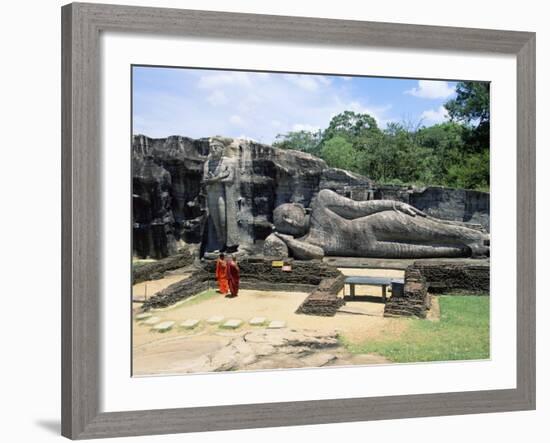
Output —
<point x="472" y="108"/>
<point x="454" y="153"/>
<point x="305" y="141"/>
<point x="339" y="153"/>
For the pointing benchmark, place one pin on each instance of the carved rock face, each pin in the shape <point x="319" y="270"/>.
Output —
<point x="170" y="196"/>
<point x="291" y="219"/>
<point x="275" y="247"/>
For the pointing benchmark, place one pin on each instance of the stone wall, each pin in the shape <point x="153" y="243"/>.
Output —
<point x="156" y="270"/>
<point x="425" y="278"/>
<point x="415" y="300"/>
<point x="456" y="278"/>
<point x="324" y="300"/>
<point x="260" y="269"/>
<point x="198" y="282"/>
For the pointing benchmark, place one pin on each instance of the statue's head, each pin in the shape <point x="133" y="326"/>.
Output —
<point x="223" y="147"/>
<point x="291" y="219"/>
<point x="231" y="150"/>
<point x="216" y="147"/>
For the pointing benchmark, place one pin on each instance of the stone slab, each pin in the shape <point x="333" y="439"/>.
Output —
<point x="164" y="326"/>
<point x="277" y="324"/>
<point x="190" y="323"/>
<point x="233" y="323"/>
<point x="257" y="321"/>
<point x="152" y="321"/>
<point x="214" y="320"/>
<point x="143" y="316"/>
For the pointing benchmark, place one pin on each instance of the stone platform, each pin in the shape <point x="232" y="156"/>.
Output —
<point x="398" y="263"/>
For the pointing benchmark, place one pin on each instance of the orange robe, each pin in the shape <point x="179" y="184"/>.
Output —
<point x="221" y="276"/>
<point x="233" y="278"/>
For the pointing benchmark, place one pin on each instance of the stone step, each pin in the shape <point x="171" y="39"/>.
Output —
<point x="257" y="321"/>
<point x="164" y="326"/>
<point x="233" y="323"/>
<point x="151" y="321"/>
<point x="215" y="320"/>
<point x="190" y="323"/>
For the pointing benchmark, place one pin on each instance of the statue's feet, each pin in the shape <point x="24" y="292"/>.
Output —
<point x="480" y="250"/>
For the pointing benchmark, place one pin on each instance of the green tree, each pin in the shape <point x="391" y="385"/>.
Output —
<point x="339" y="153"/>
<point x="454" y="153"/>
<point x="471" y="102"/>
<point x="471" y="173"/>
<point x="472" y="107"/>
<point x="353" y="126"/>
<point x="305" y="141"/>
<point x="445" y="142"/>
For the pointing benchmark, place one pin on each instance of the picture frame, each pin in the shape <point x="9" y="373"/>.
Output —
<point x="81" y="228"/>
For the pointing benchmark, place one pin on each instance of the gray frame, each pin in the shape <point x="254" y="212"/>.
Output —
<point x="81" y="163"/>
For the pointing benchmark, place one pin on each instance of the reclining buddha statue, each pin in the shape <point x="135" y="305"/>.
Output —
<point x="339" y="226"/>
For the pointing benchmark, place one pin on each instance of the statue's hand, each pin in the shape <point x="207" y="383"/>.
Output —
<point x="410" y="210"/>
<point x="284" y="237"/>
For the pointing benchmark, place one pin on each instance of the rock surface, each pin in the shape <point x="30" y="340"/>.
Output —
<point x="275" y="247"/>
<point x="448" y="204"/>
<point x="268" y="349"/>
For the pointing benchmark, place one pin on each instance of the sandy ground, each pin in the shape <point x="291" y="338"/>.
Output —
<point x="357" y="321"/>
<point x="160" y="353"/>
<point x="146" y="289"/>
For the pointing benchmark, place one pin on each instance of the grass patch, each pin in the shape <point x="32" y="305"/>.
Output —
<point x="461" y="334"/>
<point x="137" y="262"/>
<point x="202" y="296"/>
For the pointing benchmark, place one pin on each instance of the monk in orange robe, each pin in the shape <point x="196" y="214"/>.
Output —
<point x="221" y="274"/>
<point x="233" y="276"/>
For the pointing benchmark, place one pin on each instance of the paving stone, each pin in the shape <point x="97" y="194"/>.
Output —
<point x="257" y="321"/>
<point x="190" y="324"/>
<point x="216" y="319"/>
<point x="164" y="326"/>
<point x="152" y="321"/>
<point x="143" y="316"/>
<point x="276" y="324"/>
<point x="232" y="323"/>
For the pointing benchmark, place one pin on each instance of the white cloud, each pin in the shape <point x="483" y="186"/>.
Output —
<point x="246" y="137"/>
<point x="217" y="98"/>
<point x="236" y="120"/>
<point x="378" y="112"/>
<point x="257" y="104"/>
<point x="305" y="127"/>
<point x="212" y="80"/>
<point x="310" y="83"/>
<point x="431" y="89"/>
<point x="438" y="115"/>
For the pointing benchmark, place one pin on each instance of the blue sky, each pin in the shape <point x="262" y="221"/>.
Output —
<point x="203" y="103"/>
